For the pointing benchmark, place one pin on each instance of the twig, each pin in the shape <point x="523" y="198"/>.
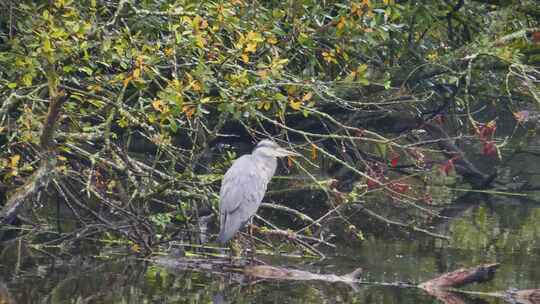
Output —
<point x="381" y="218"/>
<point x="299" y="214"/>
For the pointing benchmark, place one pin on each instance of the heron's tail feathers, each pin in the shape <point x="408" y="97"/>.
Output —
<point x="229" y="227"/>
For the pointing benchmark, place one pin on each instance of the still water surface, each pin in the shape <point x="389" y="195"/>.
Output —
<point x="500" y="230"/>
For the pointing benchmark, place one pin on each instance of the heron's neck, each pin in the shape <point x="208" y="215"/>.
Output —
<point x="266" y="164"/>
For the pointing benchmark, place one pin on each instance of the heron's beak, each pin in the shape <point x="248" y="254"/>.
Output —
<point x="284" y="152"/>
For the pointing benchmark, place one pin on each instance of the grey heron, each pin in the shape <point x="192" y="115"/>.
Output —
<point x="244" y="185"/>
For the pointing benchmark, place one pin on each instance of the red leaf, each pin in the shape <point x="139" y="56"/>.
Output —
<point x="489" y="149"/>
<point x="399" y="187"/>
<point x="535" y="37"/>
<point x="486" y="131"/>
<point x="439" y="119"/>
<point x="447" y="166"/>
<point x="360" y="132"/>
<point x="394" y="159"/>
<point x="371" y="184"/>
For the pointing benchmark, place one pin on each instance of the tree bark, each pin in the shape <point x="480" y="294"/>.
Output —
<point x="45" y="170"/>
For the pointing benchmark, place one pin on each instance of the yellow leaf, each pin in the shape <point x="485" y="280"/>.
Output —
<point x="291" y="90"/>
<point x="127" y="80"/>
<point x="199" y="23"/>
<point x="241" y="41"/>
<point x="245" y="58"/>
<point x="272" y="40"/>
<point x="140" y="60"/>
<point x="356" y="9"/>
<point x="94" y="88"/>
<point x="14" y="160"/>
<point x="61" y="158"/>
<point x="159" y="105"/>
<point x="266" y="105"/>
<point x="313" y="152"/>
<point x="341" y="23"/>
<point x="362" y="68"/>
<point x="27" y="79"/>
<point x="195" y="86"/>
<point x="307" y="96"/>
<point x="136" y="248"/>
<point x="295" y="105"/>
<point x="254" y="37"/>
<point x="47" y="46"/>
<point x="168" y="52"/>
<point x="329" y="57"/>
<point x="263" y="74"/>
<point x="136" y="73"/>
<point x="251" y="47"/>
<point x="175" y="83"/>
<point x="200" y="41"/>
<point x="189" y="111"/>
<point x="195" y="22"/>
<point x="111" y="185"/>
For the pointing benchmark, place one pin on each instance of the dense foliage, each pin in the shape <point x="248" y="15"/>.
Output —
<point x="150" y="99"/>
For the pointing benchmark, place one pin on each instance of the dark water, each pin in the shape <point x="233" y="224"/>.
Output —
<point x="503" y="230"/>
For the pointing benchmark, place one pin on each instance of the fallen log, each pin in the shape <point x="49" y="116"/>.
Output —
<point x="462" y="276"/>
<point x="278" y="273"/>
<point x="526" y="296"/>
<point x="442" y="287"/>
<point x="256" y="271"/>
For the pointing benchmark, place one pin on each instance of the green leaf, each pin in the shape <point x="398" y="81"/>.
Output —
<point x="382" y="149"/>
<point x="47" y="46"/>
<point x="87" y="70"/>
<point x="27" y="79"/>
<point x="280" y="97"/>
<point x="172" y="124"/>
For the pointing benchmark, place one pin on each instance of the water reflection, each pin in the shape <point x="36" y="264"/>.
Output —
<point x="493" y="231"/>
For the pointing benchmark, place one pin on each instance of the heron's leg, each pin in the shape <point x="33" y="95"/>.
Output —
<point x="231" y="246"/>
<point x="251" y="241"/>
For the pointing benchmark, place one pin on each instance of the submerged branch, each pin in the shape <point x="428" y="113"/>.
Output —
<point x="34" y="183"/>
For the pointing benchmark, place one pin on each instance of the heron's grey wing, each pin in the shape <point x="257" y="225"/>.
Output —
<point x="242" y="191"/>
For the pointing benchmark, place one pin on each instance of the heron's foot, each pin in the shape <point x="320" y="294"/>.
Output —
<point x="235" y="247"/>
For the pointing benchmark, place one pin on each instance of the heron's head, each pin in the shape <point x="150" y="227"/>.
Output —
<point x="270" y="148"/>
